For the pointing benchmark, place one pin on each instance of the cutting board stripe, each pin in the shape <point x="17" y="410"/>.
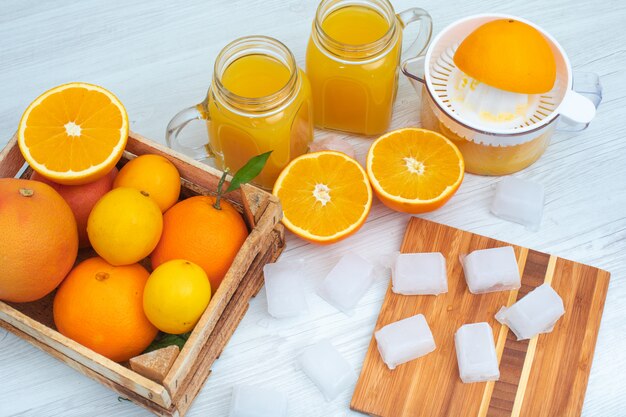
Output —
<point x="530" y="354"/>
<point x="501" y="340"/>
<point x="514" y="355"/>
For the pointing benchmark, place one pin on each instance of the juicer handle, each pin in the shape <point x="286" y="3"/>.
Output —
<point x="579" y="105"/>
<point x="419" y="45"/>
<point x="176" y="125"/>
<point x="417" y="61"/>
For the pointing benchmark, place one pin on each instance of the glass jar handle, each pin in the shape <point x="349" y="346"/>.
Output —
<point x="579" y="104"/>
<point x="419" y="45"/>
<point x="176" y="125"/>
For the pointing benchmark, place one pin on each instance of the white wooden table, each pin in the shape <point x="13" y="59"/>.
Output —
<point x="157" y="56"/>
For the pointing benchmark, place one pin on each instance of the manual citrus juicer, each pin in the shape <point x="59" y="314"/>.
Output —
<point x="498" y="132"/>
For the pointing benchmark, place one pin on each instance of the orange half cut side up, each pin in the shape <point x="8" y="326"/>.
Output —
<point x="74" y="133"/>
<point x="414" y="170"/>
<point x="325" y="196"/>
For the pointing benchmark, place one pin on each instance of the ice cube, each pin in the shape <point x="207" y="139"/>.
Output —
<point x="347" y="282"/>
<point x="420" y="273"/>
<point x="283" y="287"/>
<point x="535" y="313"/>
<point x="327" y="368"/>
<point x="520" y="201"/>
<point x="250" y="401"/>
<point x="404" y="340"/>
<point x="489" y="270"/>
<point x="476" y="353"/>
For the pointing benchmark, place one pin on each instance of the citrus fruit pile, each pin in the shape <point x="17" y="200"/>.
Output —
<point x="73" y="136"/>
<point x="326" y="196"/>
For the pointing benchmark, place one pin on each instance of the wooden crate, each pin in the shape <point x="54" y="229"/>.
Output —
<point x="173" y="396"/>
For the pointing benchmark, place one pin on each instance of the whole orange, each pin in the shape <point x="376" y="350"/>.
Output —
<point x="81" y="199"/>
<point x="101" y="307"/>
<point x="39" y="239"/>
<point x="196" y="231"/>
<point x="153" y="174"/>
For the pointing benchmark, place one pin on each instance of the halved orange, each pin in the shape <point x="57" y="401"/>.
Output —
<point x="74" y="133"/>
<point x="414" y="170"/>
<point x="325" y="196"/>
<point x="509" y="55"/>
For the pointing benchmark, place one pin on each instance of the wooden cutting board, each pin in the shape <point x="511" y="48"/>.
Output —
<point x="544" y="376"/>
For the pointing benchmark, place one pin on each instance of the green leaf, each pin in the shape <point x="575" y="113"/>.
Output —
<point x="168" y="340"/>
<point x="249" y="171"/>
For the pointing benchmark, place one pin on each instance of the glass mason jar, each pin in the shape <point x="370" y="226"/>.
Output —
<point x="352" y="62"/>
<point x="258" y="101"/>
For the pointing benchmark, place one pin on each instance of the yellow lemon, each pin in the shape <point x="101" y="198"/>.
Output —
<point x="155" y="175"/>
<point x="124" y="226"/>
<point x="176" y="295"/>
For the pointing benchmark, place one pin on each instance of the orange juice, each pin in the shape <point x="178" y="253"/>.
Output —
<point x="255" y="75"/>
<point x="484" y="159"/>
<point x="238" y="130"/>
<point x="355" y="25"/>
<point x="352" y="62"/>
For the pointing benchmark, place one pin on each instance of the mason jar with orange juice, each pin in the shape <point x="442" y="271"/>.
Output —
<point x="352" y="62"/>
<point x="259" y="101"/>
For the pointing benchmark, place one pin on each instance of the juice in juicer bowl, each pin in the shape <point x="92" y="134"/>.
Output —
<point x="489" y="149"/>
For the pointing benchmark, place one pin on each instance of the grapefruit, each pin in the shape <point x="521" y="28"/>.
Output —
<point x="39" y="239"/>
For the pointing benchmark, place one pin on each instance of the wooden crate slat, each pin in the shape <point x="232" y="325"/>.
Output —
<point x="148" y="404"/>
<point x="11" y="159"/>
<point x="194" y="171"/>
<point x="86" y="357"/>
<point x="233" y="314"/>
<point x="208" y="320"/>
